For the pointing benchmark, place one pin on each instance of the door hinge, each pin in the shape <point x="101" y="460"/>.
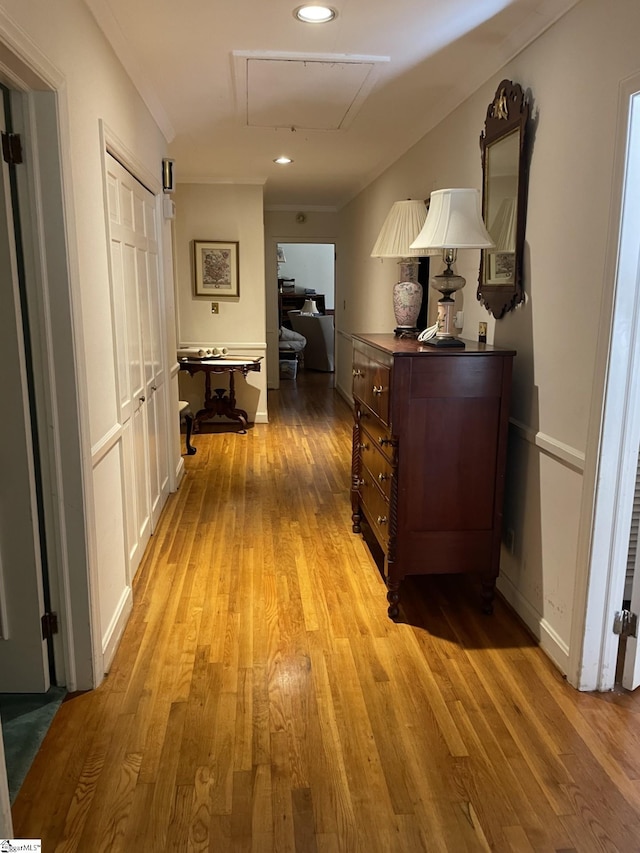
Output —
<point x="11" y="148"/>
<point x="625" y="623"/>
<point x="49" y="625"/>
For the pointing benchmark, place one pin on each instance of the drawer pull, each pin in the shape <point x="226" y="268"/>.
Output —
<point x="382" y="441"/>
<point x="377" y="390"/>
<point x="383" y="477"/>
<point x="361" y="482"/>
<point x="382" y="519"/>
<point x="363" y="446"/>
<point x="356" y="372"/>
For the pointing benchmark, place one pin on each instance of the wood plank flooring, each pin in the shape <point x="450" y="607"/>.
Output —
<point x="261" y="700"/>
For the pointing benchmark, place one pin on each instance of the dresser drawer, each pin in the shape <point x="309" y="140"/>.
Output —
<point x="379" y="467"/>
<point x="372" y="383"/>
<point x="378" y="434"/>
<point x="376" y="509"/>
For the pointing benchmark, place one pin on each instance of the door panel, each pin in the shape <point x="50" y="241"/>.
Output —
<point x="23" y="653"/>
<point x="137" y="304"/>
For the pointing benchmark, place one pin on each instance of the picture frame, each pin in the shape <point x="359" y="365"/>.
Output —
<point x="502" y="268"/>
<point x="216" y="268"/>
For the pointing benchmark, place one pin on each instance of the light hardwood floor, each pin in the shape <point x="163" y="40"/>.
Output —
<point x="261" y="700"/>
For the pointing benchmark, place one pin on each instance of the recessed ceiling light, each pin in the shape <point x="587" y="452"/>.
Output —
<point x="315" y="14"/>
<point x="283" y="161"/>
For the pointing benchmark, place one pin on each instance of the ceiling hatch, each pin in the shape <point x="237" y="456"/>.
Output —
<point x="309" y="92"/>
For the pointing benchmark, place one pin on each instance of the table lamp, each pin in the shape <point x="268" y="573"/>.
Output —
<point x="454" y="222"/>
<point x="400" y="228"/>
<point x="309" y="307"/>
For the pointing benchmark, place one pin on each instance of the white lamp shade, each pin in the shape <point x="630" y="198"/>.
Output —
<point x="454" y="221"/>
<point x="309" y="307"/>
<point x="400" y="228"/>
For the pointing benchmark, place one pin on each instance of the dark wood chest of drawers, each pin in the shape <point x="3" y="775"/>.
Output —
<point x="429" y="451"/>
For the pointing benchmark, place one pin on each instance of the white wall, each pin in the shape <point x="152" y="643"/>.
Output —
<point x="573" y="72"/>
<point x="224" y="212"/>
<point x="93" y="87"/>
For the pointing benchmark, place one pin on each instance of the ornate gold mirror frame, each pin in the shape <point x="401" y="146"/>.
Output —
<point x="504" y="198"/>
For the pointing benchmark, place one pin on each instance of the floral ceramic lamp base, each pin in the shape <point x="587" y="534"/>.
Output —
<point x="407" y="300"/>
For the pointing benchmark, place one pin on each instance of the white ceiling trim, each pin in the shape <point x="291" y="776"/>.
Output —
<point x="248" y="181"/>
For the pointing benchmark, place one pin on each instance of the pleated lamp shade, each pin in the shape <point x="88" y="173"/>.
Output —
<point x="454" y="222"/>
<point x="399" y="230"/>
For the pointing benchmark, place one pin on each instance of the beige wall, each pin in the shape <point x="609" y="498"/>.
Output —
<point x="226" y="212"/>
<point x="573" y="72"/>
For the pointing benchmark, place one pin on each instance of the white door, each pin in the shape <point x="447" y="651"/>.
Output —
<point x="620" y="429"/>
<point x="23" y="653"/>
<point x="140" y="362"/>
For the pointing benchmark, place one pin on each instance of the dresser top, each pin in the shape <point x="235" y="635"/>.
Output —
<point x="409" y="346"/>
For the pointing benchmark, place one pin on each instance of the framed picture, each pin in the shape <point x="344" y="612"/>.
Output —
<point x="502" y="268"/>
<point x="216" y="268"/>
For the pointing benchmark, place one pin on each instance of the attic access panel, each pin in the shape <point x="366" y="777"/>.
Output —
<point x="305" y="93"/>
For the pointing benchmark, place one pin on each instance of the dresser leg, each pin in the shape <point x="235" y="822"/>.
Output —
<point x="487" y="593"/>
<point x="356" y="518"/>
<point x="393" y="597"/>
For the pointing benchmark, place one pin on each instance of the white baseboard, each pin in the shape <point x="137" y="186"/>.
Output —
<point x="346" y="395"/>
<point x="180" y="471"/>
<point x="550" y="642"/>
<point x="114" y="632"/>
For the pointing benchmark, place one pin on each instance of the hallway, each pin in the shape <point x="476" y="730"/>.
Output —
<point x="261" y="699"/>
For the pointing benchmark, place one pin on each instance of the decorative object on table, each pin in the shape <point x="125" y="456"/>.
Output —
<point x="400" y="228"/>
<point x="504" y="144"/>
<point x="454" y="222"/>
<point x="482" y="333"/>
<point x="216" y="268"/>
<point x="202" y="352"/>
<point x="309" y="307"/>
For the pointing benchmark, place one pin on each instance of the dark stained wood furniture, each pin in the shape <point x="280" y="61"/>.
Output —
<point x="429" y="450"/>
<point x="224" y="402"/>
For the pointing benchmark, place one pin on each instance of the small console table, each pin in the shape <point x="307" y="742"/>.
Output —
<point x="223" y="403"/>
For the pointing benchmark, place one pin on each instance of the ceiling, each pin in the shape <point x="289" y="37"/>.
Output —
<point x="235" y="84"/>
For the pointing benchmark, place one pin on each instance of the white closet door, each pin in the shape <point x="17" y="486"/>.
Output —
<point x="137" y="323"/>
<point x="155" y="373"/>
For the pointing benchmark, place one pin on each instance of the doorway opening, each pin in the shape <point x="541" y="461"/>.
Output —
<point x="616" y="431"/>
<point x="306" y="270"/>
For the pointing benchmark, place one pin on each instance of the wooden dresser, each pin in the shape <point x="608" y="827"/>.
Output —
<point x="429" y="450"/>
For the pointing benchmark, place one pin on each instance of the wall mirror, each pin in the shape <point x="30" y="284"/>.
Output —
<point x="504" y="198"/>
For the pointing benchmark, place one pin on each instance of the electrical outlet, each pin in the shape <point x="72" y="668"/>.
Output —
<point x="214" y="307"/>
